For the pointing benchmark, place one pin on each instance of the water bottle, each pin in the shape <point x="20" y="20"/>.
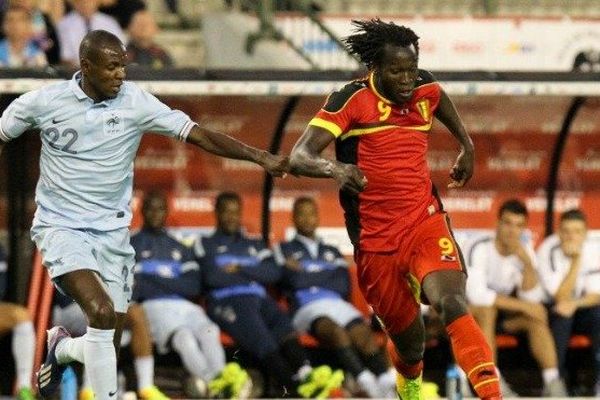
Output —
<point x="68" y="385"/>
<point x="453" y="391"/>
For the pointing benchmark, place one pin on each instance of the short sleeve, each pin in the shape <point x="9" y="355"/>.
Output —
<point x="159" y="118"/>
<point x="19" y="116"/>
<point x="591" y="258"/>
<point x="478" y="292"/>
<point x="339" y="110"/>
<point x="592" y="282"/>
<point x="550" y="271"/>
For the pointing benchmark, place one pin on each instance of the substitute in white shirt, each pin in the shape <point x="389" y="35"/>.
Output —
<point x="569" y="270"/>
<point x="503" y="291"/>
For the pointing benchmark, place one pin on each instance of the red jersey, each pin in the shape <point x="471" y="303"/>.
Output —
<point x="388" y="142"/>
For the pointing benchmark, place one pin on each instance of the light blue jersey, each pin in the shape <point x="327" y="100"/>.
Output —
<point x="86" y="162"/>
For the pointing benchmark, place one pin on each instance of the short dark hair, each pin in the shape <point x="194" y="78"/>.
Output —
<point x="224" y="197"/>
<point x="154" y="194"/>
<point x="513" y="206"/>
<point x="301" y="200"/>
<point x="573" y="214"/>
<point x="96" y="40"/>
<point x="371" y="37"/>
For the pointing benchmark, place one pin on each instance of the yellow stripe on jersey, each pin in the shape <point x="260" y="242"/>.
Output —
<point x="366" y="131"/>
<point x="327" y="125"/>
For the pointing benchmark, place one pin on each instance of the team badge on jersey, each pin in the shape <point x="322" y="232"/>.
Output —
<point x="113" y="123"/>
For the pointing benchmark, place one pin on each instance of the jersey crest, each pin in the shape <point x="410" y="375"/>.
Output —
<point x="113" y="123"/>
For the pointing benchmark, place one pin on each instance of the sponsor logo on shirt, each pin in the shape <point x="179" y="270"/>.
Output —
<point x="448" y="258"/>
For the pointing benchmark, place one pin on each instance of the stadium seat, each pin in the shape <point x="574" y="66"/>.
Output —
<point x="506" y="341"/>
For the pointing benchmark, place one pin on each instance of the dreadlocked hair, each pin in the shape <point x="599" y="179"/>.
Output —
<point x="371" y="36"/>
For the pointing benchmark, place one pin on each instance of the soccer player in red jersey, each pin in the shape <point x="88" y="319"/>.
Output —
<point x="404" y="247"/>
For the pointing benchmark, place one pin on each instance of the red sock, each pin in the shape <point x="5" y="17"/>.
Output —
<point x="474" y="356"/>
<point x="406" y="370"/>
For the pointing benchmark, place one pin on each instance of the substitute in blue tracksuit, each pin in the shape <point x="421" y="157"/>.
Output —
<point x="235" y="271"/>
<point x="317" y="283"/>
<point x="168" y="285"/>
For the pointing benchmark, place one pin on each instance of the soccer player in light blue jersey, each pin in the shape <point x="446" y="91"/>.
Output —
<point x="91" y="127"/>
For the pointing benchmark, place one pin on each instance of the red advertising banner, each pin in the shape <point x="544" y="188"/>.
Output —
<point x="514" y="138"/>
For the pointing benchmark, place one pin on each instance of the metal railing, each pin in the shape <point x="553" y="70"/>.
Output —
<point x="310" y="38"/>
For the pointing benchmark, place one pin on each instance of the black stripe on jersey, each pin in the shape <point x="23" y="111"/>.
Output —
<point x="346" y="151"/>
<point x="336" y="100"/>
<point x="424" y="78"/>
<point x="435" y="194"/>
<point x="472" y="249"/>
<point x="458" y="250"/>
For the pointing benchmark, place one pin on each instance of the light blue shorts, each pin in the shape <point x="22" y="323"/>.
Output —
<point x="109" y="254"/>
<point x="166" y="316"/>
<point x="338" y="310"/>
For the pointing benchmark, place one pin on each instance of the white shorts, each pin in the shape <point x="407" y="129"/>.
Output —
<point x="165" y="316"/>
<point x="109" y="254"/>
<point x="338" y="310"/>
<point x="70" y="317"/>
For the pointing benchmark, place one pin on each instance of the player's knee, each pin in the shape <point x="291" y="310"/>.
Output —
<point x="450" y="307"/>
<point x="101" y="314"/>
<point x="363" y="338"/>
<point x="411" y="353"/>
<point x="331" y="333"/>
<point x="182" y="340"/>
<point x="213" y="330"/>
<point x="410" y="344"/>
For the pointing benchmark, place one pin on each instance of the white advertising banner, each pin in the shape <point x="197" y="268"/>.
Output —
<point x="466" y="44"/>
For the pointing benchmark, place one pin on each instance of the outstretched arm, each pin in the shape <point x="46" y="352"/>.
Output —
<point x="226" y="146"/>
<point x="462" y="170"/>
<point x="306" y="160"/>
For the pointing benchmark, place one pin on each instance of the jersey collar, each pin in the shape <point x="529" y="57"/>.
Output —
<point x="374" y="89"/>
<point x="74" y="85"/>
<point x="80" y="94"/>
<point x="308" y="241"/>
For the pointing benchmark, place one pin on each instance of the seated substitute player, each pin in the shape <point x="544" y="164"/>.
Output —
<point x="235" y="270"/>
<point x="91" y="127"/>
<point x="167" y="282"/>
<point x="503" y="288"/>
<point x="404" y="248"/>
<point x="16" y="318"/>
<point x="315" y="276"/>
<point x="569" y="272"/>
<point x="68" y="314"/>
